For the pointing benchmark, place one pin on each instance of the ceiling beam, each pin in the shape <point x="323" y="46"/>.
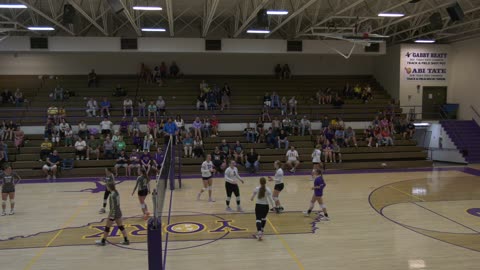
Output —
<point x="250" y="18"/>
<point x="294" y="14"/>
<point x="84" y="14"/>
<point x="130" y="18"/>
<point x="210" y="15"/>
<point x="171" y="20"/>
<point x="39" y="12"/>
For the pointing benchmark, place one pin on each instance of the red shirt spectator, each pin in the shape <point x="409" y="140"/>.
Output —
<point x="214" y="123"/>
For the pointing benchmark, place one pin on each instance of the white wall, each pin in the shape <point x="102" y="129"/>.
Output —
<point x="387" y="69"/>
<point x="190" y="63"/>
<point x="464" y="83"/>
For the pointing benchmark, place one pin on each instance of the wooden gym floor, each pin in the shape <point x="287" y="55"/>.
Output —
<point x="410" y="219"/>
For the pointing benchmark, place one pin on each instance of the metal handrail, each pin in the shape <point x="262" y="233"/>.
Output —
<point x="475" y="111"/>
<point x="476" y="116"/>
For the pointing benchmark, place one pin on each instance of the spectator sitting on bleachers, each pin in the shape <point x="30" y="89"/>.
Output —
<point x="250" y="133"/>
<point x="219" y="160"/>
<point x="58" y="93"/>
<point x="329" y="133"/>
<point x="92" y="107"/>
<point x="293" y="159"/>
<point x="340" y="123"/>
<point x="328" y="95"/>
<point x="410" y="129"/>
<point x="10" y="129"/>
<point x="266" y="114"/>
<point x="170" y="130"/>
<point x="137" y="139"/>
<point x="252" y="161"/>
<point x="46" y="148"/>
<point x="92" y="79"/>
<point x="7" y="97"/>
<point x="385" y="123"/>
<point x="325" y="122"/>
<point x="376" y="121"/>
<point x="124" y="125"/>
<point x="19" y="138"/>
<point x="120" y="144"/>
<point x="108" y="148"/>
<point x="18" y="97"/>
<point x="320" y="138"/>
<point x="127" y="106"/>
<point x="134" y="126"/>
<point x="197" y="127"/>
<point x="386" y="137"/>
<point x="62" y="113"/>
<point x="305" y="126"/>
<point x="282" y="138"/>
<point x="295" y="126"/>
<point x="278" y="71"/>
<point x="119" y="91"/>
<point x="292" y="105"/>
<point x="237" y="151"/>
<point x="214" y="124"/>
<point x="52" y="113"/>
<point x="80" y="148"/>
<point x="284" y="105"/>
<point x="161" y="105"/>
<point x="63" y="126"/>
<point x="357" y="91"/>
<point x="287" y="125"/>
<point x="157" y="160"/>
<point x="204" y="86"/>
<point x="336" y="152"/>
<point x="286" y="72"/>
<point x="50" y="167"/>
<point x="105" y="107"/>
<point x="187" y="146"/>
<point x="174" y="69"/>
<point x="198" y="147"/>
<point x="275" y="100"/>
<point x="350" y="137"/>
<point x="211" y="100"/>
<point x="121" y="162"/>
<point x="82" y="129"/>
<point x="202" y="101"/>
<point x="93" y="147"/>
<point x="152" y="110"/>
<point x="340" y="136"/>
<point x="225" y="99"/>
<point x="369" y="135"/>
<point x="260" y="131"/>
<point x="206" y="127"/>
<point x="327" y="150"/>
<point x="134" y="162"/>
<point x="270" y="138"/>
<point x="68" y="137"/>
<point x="225" y="148"/>
<point x="180" y="123"/>
<point x="377" y="132"/>
<point x="148" y="140"/>
<point x="142" y="105"/>
<point x="276" y="124"/>
<point x="55" y="135"/>
<point x="145" y="161"/>
<point x="106" y="126"/>
<point x="267" y="100"/>
<point x="338" y="102"/>
<point x="152" y="128"/>
<point x="115" y="136"/>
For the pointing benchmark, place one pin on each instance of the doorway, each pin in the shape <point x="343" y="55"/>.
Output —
<point x="433" y="98"/>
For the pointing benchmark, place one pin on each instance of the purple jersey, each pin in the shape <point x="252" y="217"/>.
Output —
<point x="319" y="182"/>
<point x="158" y="158"/>
<point x="134" y="158"/>
<point x="145" y="158"/>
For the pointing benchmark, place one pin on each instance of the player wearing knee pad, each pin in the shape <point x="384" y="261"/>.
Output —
<point x="8" y="179"/>
<point x="207" y="171"/>
<point x="231" y="185"/>
<point x="318" y="187"/>
<point x="279" y="186"/>
<point x="263" y="196"/>
<point x="109" y="178"/>
<point x="114" y="215"/>
<point x="143" y="185"/>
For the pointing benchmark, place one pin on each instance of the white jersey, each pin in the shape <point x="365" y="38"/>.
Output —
<point x="278" y="178"/>
<point x="266" y="199"/>
<point x="231" y="175"/>
<point x="292" y="155"/>
<point x="206" y="168"/>
<point x="316" y="156"/>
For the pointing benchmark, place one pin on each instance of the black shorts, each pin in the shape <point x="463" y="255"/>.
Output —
<point x="143" y="193"/>
<point x="8" y="189"/>
<point x="207" y="178"/>
<point x="315" y="163"/>
<point x="279" y="187"/>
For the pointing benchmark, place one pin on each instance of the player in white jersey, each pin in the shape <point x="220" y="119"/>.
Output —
<point x="278" y="178"/>
<point x="207" y="170"/>
<point x="263" y="196"/>
<point x="8" y="179"/>
<point x="231" y="185"/>
<point x="292" y="159"/>
<point x="316" y="159"/>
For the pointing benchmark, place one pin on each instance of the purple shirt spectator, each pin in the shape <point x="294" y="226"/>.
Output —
<point x="197" y="124"/>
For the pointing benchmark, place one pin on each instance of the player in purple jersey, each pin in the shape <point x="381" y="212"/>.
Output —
<point x="318" y="186"/>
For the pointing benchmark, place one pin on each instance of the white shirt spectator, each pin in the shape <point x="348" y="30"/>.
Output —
<point x="106" y="125"/>
<point x="292" y="155"/>
<point x="127" y="103"/>
<point x="92" y="104"/>
<point x="80" y="145"/>
<point x="160" y="103"/>
<point x="316" y="156"/>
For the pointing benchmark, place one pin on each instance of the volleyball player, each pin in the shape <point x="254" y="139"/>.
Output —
<point x="318" y="186"/>
<point x="231" y="185"/>
<point x="114" y="215"/>
<point x="109" y="178"/>
<point x="143" y="185"/>
<point x="278" y="178"/>
<point x="263" y="196"/>
<point x="316" y="159"/>
<point x="207" y="170"/>
<point x="9" y="179"/>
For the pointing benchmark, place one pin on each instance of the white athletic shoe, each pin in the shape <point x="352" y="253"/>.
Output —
<point x="100" y="243"/>
<point x="4" y="214"/>
<point x="239" y="209"/>
<point x="260" y="236"/>
<point x="12" y="212"/>
<point x="198" y="196"/>
<point x="306" y="214"/>
<point x="211" y="200"/>
<point x="102" y="211"/>
<point x="228" y="209"/>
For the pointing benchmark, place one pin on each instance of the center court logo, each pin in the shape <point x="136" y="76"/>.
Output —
<point x="197" y="227"/>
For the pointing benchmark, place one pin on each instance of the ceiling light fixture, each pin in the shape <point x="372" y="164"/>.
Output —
<point x="146" y="8"/>
<point x="390" y="14"/>
<point x="258" y="31"/>
<point x="277" y="12"/>
<point x="154" y="29"/>
<point x="40" y="28"/>
<point x="12" y="6"/>
<point x="425" y="41"/>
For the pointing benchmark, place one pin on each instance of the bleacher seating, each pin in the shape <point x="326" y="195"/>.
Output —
<point x="180" y="96"/>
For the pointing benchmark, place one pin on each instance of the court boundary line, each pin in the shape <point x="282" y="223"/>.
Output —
<point x="286" y="246"/>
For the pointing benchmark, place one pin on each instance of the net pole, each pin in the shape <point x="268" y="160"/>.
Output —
<point x="179" y="167"/>
<point x="172" y="164"/>
<point x="154" y="243"/>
